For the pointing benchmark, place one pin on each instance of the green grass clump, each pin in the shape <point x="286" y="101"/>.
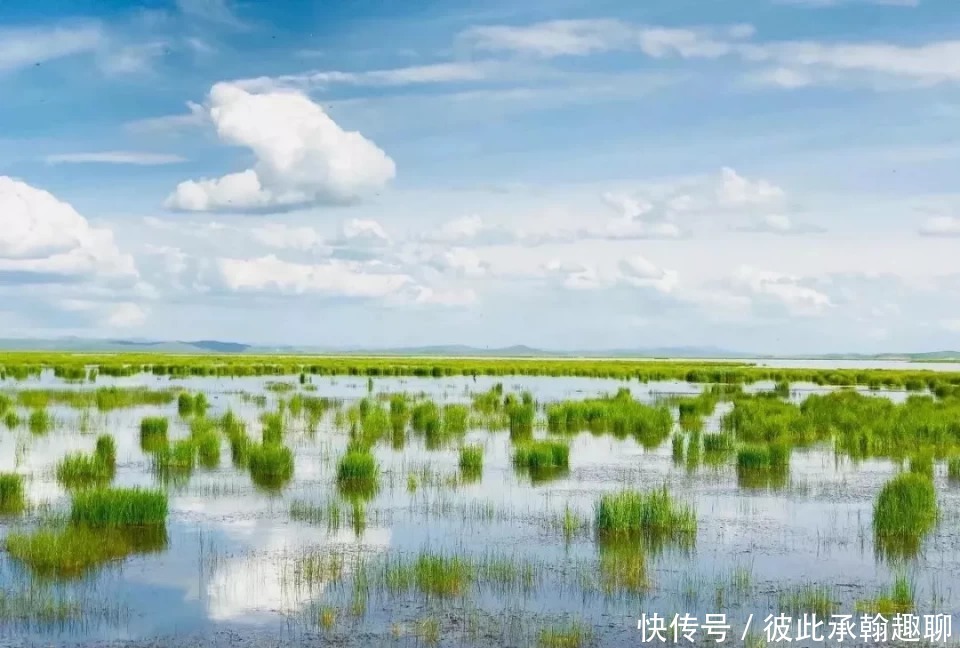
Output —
<point x="106" y="450"/>
<point x="899" y="600"/>
<point x="73" y="551"/>
<point x="40" y="422"/>
<point x="542" y="455"/>
<point x="153" y="433"/>
<point x="357" y="473"/>
<point x="653" y="515"/>
<point x="455" y="419"/>
<point x="471" y="458"/>
<point x="542" y="460"/>
<point x="175" y="462"/>
<point x="79" y="470"/>
<point x="953" y="469"/>
<point x="571" y="635"/>
<point x="119" y="507"/>
<point x="763" y="465"/>
<point x="904" y="512"/>
<point x="620" y="415"/>
<point x="188" y="404"/>
<point x="718" y="442"/>
<point x="810" y="599"/>
<point x="270" y="465"/>
<point x="11" y="419"/>
<point x="273" y="427"/>
<point x="922" y="464"/>
<point x="12" y="494"/>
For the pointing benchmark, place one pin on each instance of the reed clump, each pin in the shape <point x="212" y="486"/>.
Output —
<point x="654" y="516"/>
<point x="358" y="473"/>
<point x="119" y="507"/>
<point x="620" y="415"/>
<point x="904" y="512"/>
<point x="12" y="494"/>
<point x="471" y="461"/>
<point x="270" y="465"/>
<point x="542" y="459"/>
<point x="570" y="635"/>
<point x="953" y="470"/>
<point x="153" y="433"/>
<point x="74" y="551"/>
<point x="899" y="599"/>
<point x="40" y="421"/>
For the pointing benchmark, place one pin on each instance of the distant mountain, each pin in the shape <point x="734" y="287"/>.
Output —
<point x="73" y="344"/>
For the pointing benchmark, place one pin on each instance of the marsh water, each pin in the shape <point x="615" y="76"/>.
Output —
<point x="231" y="571"/>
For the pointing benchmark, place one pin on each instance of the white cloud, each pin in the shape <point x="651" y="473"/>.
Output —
<point x="640" y="272"/>
<point x="303" y="156"/>
<point x="451" y="297"/>
<point x="47" y="238"/>
<point x="737" y="191"/>
<point x="945" y="226"/>
<point x="786" y="290"/>
<point x="364" y="230"/>
<point x="635" y="272"/>
<point x="197" y="116"/>
<point x="282" y="236"/>
<point x="22" y="47"/>
<point x="929" y="63"/>
<point x="126" y="315"/>
<point x="777" y="224"/>
<point x="215" y="11"/>
<point x="450" y="72"/>
<point x="333" y="278"/>
<point x="552" y="38"/>
<point x="470" y="230"/>
<point x="114" y="157"/>
<point x="582" y="37"/>
<point x="460" y="261"/>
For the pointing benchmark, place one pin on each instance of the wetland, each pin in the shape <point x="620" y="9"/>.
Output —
<point x="170" y="500"/>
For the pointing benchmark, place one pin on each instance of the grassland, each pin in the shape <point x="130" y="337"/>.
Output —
<point x="23" y="364"/>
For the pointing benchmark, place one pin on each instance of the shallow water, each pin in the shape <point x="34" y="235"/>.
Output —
<point x="227" y="573"/>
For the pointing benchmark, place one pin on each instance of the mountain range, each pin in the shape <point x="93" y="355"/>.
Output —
<point x="90" y="345"/>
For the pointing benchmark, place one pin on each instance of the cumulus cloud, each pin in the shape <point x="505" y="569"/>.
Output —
<point x="784" y="290"/>
<point x="303" y="156"/>
<point x="45" y="239"/>
<point x="126" y="315"/>
<point x="777" y="224"/>
<point x="735" y="190"/>
<point x="635" y="272"/>
<point x="642" y="273"/>
<point x="332" y="278"/>
<point x="282" y="236"/>
<point x="460" y="261"/>
<point x="944" y="226"/>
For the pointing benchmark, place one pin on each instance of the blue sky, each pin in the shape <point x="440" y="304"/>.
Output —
<point x="763" y="175"/>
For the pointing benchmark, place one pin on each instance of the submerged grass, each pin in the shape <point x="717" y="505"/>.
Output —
<point x="74" y="550"/>
<point x="569" y="635"/>
<point x="898" y="600"/>
<point x="811" y="599"/>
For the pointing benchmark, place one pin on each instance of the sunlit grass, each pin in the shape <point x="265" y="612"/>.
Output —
<point x="119" y="507"/>
<point x="12" y="494"/>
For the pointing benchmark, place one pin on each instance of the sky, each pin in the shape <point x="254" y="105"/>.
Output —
<point x="771" y="176"/>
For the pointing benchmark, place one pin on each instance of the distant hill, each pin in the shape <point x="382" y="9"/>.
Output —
<point x="73" y="344"/>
